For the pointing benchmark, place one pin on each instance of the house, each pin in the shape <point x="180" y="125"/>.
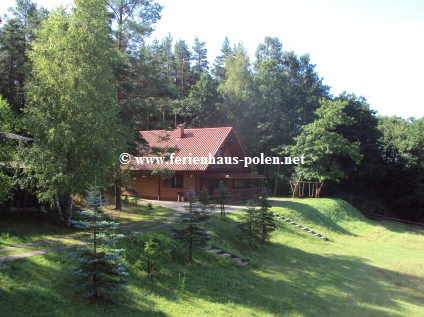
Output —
<point x="198" y="159"/>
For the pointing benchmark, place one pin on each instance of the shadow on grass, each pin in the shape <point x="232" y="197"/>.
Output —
<point x="21" y="228"/>
<point x="399" y="227"/>
<point x="44" y="286"/>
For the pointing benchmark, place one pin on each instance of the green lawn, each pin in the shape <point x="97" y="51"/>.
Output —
<point x="367" y="269"/>
<point x="132" y="212"/>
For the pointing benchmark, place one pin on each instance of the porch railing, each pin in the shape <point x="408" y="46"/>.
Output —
<point x="241" y="193"/>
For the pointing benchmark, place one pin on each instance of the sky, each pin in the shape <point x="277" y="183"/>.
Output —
<point x="372" y="48"/>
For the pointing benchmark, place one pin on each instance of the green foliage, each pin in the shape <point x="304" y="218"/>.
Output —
<point x="16" y="35"/>
<point x="248" y="229"/>
<point x="237" y="91"/>
<point x="219" y="66"/>
<point x="203" y="105"/>
<point x="221" y="196"/>
<point x="134" y="21"/>
<point x="325" y="149"/>
<point x="148" y="261"/>
<point x="403" y="140"/>
<point x="135" y="194"/>
<point x="71" y="110"/>
<point x="402" y="185"/>
<point x="100" y="268"/>
<point x="191" y="227"/>
<point x="238" y="76"/>
<point x="199" y="58"/>
<point x="205" y="201"/>
<point x="150" y="251"/>
<point x="264" y="219"/>
<point x="7" y="150"/>
<point x="182" y="68"/>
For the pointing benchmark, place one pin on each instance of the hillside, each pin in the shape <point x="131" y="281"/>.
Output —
<point x="367" y="268"/>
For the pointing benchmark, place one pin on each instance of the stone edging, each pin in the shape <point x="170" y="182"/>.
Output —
<point x="301" y="227"/>
<point x="232" y="257"/>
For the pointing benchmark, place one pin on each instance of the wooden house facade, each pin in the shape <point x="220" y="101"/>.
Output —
<point x="206" y="161"/>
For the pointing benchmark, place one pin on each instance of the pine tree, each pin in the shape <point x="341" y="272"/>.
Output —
<point x="16" y="36"/>
<point x="264" y="220"/>
<point x="219" y="66"/>
<point x="100" y="266"/>
<point x="248" y="229"/>
<point x="200" y="59"/>
<point x="182" y="68"/>
<point x="150" y="256"/>
<point x="191" y="227"/>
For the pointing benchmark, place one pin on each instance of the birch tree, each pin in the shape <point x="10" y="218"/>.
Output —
<point x="71" y="111"/>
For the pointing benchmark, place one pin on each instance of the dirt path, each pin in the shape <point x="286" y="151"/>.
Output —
<point x="78" y="236"/>
<point x="27" y="254"/>
<point x="179" y="207"/>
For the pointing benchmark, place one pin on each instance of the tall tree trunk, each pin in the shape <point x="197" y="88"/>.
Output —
<point x="266" y="155"/>
<point x="118" y="200"/>
<point x="190" y="247"/>
<point x="276" y="180"/>
<point x="59" y="208"/>
<point x="190" y="251"/>
<point x="64" y="206"/>
<point x="69" y="207"/>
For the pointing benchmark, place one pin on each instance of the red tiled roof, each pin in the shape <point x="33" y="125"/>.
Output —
<point x="194" y="143"/>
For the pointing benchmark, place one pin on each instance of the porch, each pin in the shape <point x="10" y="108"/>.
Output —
<point x="240" y="194"/>
<point x="240" y="186"/>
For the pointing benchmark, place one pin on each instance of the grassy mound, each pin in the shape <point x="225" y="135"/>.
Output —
<point x="329" y="216"/>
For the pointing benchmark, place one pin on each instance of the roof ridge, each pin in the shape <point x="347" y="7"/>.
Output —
<point x="187" y="129"/>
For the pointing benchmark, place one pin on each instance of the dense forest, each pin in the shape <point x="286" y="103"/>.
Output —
<point x="83" y="82"/>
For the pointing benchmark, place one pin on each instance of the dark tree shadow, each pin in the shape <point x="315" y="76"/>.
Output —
<point x="47" y="288"/>
<point x="399" y="227"/>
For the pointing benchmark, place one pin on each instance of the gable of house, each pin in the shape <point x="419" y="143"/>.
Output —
<point x="204" y="142"/>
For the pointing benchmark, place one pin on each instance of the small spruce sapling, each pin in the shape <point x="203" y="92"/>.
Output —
<point x="222" y="196"/>
<point x="149" y="257"/>
<point x="249" y="231"/>
<point x="205" y="201"/>
<point x="191" y="227"/>
<point x="265" y="218"/>
<point x="100" y="266"/>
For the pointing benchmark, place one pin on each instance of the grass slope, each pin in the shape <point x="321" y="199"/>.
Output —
<point x="17" y="229"/>
<point x="367" y="269"/>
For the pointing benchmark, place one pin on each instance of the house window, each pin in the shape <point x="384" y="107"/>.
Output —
<point x="177" y="181"/>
